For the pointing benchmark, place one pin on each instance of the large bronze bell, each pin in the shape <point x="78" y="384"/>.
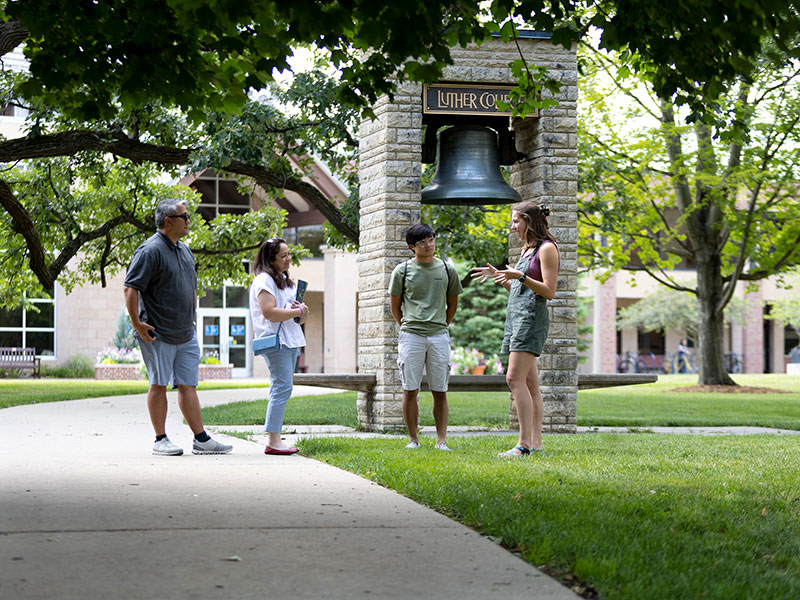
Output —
<point x="468" y="171"/>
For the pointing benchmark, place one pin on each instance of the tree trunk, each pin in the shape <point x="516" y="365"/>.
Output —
<point x="711" y="326"/>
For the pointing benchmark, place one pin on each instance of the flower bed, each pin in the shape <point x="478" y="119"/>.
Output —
<point x="119" y="364"/>
<point x="470" y="361"/>
<point x="128" y="371"/>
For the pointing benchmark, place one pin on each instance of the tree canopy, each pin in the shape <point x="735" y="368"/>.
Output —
<point x="660" y="195"/>
<point x="117" y="85"/>
<point x="207" y="54"/>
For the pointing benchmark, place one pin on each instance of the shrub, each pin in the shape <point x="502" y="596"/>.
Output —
<point x="77" y="367"/>
<point x="210" y="358"/>
<point x="11" y="373"/>
<point x="125" y="336"/>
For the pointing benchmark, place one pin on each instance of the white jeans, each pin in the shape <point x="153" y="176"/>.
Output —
<point x="431" y="352"/>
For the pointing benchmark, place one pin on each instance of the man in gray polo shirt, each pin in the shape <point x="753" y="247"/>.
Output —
<point x="160" y="297"/>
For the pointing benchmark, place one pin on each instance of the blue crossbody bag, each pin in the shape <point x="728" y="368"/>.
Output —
<point x="264" y="344"/>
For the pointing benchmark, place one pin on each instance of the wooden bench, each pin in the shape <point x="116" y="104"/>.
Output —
<point x="20" y="358"/>
<point x="467" y="383"/>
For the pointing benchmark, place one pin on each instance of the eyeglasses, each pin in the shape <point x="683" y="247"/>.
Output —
<point x="426" y="241"/>
<point x="184" y="216"/>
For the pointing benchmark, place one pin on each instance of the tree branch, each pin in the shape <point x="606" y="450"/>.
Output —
<point x="665" y="280"/>
<point x="12" y="34"/>
<point x="603" y="62"/>
<point x="72" y="142"/>
<point x="24" y="225"/>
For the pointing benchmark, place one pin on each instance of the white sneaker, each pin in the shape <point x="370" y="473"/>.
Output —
<point x="166" y="448"/>
<point x="443" y="447"/>
<point x="210" y="447"/>
<point x="412" y="445"/>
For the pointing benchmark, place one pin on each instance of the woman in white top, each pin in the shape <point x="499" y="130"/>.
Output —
<point x="273" y="309"/>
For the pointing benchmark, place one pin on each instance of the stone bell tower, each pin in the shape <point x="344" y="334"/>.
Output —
<point x="543" y="153"/>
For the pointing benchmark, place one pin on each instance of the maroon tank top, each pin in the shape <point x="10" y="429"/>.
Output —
<point x="535" y="267"/>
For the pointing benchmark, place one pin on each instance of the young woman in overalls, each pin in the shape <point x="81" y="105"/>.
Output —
<point x="531" y="283"/>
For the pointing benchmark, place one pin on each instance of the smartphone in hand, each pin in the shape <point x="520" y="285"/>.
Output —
<point x="301" y="290"/>
<point x="301" y="293"/>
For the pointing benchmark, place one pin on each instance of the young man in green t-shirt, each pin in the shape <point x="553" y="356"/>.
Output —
<point x="424" y="296"/>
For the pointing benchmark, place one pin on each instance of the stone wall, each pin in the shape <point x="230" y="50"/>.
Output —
<point x="390" y="154"/>
<point x="390" y="169"/>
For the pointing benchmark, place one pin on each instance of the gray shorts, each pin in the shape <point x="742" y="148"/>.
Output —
<point x="176" y="364"/>
<point x="431" y="352"/>
<point x="527" y="324"/>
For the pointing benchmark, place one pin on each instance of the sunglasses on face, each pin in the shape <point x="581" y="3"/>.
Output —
<point x="184" y="216"/>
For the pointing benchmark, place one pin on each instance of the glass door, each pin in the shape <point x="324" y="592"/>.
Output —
<point x="209" y="333"/>
<point x="238" y="342"/>
<point x="225" y="334"/>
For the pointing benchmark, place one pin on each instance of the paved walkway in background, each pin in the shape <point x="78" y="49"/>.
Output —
<point x="86" y="512"/>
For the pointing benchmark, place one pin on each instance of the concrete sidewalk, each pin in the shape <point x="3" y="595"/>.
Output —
<point x="87" y="512"/>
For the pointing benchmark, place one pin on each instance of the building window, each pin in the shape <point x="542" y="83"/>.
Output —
<point x="229" y="296"/>
<point x="219" y="196"/>
<point x="11" y="110"/>
<point x="30" y="327"/>
<point x="308" y="236"/>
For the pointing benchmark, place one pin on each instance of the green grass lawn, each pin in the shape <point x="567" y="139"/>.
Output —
<point x="16" y="392"/>
<point x="632" y="516"/>
<point x="323" y="409"/>
<point x="654" y="404"/>
<point x="479" y="409"/>
<point x="630" y="406"/>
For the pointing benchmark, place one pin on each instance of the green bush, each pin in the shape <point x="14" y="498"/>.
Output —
<point x="77" y="367"/>
<point x="125" y="336"/>
<point x="12" y="373"/>
<point x="480" y="318"/>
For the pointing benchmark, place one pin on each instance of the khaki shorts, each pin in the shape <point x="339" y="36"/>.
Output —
<point x="415" y="352"/>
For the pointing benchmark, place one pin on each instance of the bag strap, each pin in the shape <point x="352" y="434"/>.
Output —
<point x="403" y="288"/>
<point x="446" y="270"/>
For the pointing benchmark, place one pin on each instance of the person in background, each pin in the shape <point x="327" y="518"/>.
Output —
<point x="160" y="297"/>
<point x="531" y="283"/>
<point x="423" y="298"/>
<point x="274" y="310"/>
<point x="683" y="355"/>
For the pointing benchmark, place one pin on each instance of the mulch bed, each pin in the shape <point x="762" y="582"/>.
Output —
<point x="729" y="389"/>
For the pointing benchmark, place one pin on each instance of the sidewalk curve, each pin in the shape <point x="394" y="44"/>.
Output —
<point x="87" y="512"/>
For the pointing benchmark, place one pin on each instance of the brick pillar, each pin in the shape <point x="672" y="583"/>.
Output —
<point x="548" y="175"/>
<point x="389" y="166"/>
<point x="605" y="327"/>
<point x="390" y="195"/>
<point x="753" y="342"/>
